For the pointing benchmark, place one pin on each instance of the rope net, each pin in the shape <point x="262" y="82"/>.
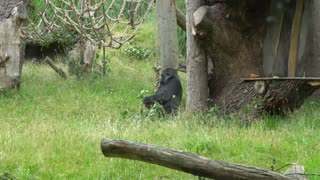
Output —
<point x="107" y="23"/>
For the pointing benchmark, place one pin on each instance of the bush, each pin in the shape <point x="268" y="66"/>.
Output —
<point x="137" y="52"/>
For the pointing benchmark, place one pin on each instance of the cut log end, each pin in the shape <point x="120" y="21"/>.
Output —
<point x="199" y="15"/>
<point x="106" y="147"/>
<point x="260" y="87"/>
<point x="19" y="13"/>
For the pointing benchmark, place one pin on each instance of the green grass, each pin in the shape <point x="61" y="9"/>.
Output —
<point x="52" y="128"/>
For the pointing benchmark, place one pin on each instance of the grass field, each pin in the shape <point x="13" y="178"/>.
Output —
<point x="52" y="128"/>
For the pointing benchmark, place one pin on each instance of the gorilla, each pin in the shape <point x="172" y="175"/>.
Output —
<point x="169" y="93"/>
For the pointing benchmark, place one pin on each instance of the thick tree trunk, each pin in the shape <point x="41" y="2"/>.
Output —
<point x="12" y="15"/>
<point x="232" y="34"/>
<point x="311" y="57"/>
<point x="197" y="65"/>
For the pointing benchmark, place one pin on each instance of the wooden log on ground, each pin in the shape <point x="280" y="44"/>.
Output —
<point x="55" y="68"/>
<point x="186" y="162"/>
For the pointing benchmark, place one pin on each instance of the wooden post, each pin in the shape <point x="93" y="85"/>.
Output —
<point x="167" y="27"/>
<point x="186" y="162"/>
<point x="12" y="14"/>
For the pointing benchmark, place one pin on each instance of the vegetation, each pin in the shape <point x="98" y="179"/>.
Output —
<point x="51" y="128"/>
<point x="137" y="52"/>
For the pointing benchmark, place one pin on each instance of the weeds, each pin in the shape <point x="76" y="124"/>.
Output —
<point x="137" y="52"/>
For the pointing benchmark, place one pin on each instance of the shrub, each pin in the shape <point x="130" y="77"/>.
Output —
<point x="137" y="52"/>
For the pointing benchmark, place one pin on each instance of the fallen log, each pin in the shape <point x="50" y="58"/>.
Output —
<point x="55" y="68"/>
<point x="186" y="162"/>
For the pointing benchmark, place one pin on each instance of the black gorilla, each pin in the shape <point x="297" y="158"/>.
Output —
<point x="169" y="93"/>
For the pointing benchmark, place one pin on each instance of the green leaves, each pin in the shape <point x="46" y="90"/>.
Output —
<point x="137" y="52"/>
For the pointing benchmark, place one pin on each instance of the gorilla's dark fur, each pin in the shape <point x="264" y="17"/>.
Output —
<point x="169" y="93"/>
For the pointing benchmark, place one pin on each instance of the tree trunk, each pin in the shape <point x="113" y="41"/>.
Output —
<point x="197" y="65"/>
<point x="167" y="33"/>
<point x="232" y="36"/>
<point x="312" y="52"/>
<point x="12" y="15"/>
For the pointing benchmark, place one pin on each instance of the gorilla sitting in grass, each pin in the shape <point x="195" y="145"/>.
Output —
<point x="169" y="93"/>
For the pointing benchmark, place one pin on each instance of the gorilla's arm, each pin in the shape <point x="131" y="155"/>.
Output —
<point x="161" y="96"/>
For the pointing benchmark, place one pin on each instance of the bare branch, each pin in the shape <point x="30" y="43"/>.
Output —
<point x="91" y="22"/>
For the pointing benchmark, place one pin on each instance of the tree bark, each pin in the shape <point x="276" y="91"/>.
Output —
<point x="197" y="64"/>
<point x="232" y="34"/>
<point x="167" y="29"/>
<point x="12" y="15"/>
<point x="311" y="57"/>
<point x="89" y="56"/>
<point x="186" y="162"/>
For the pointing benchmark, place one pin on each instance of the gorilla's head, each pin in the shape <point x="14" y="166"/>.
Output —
<point x="167" y="75"/>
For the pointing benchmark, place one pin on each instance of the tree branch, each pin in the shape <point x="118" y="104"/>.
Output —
<point x="19" y="14"/>
<point x="181" y="19"/>
<point x="55" y="68"/>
